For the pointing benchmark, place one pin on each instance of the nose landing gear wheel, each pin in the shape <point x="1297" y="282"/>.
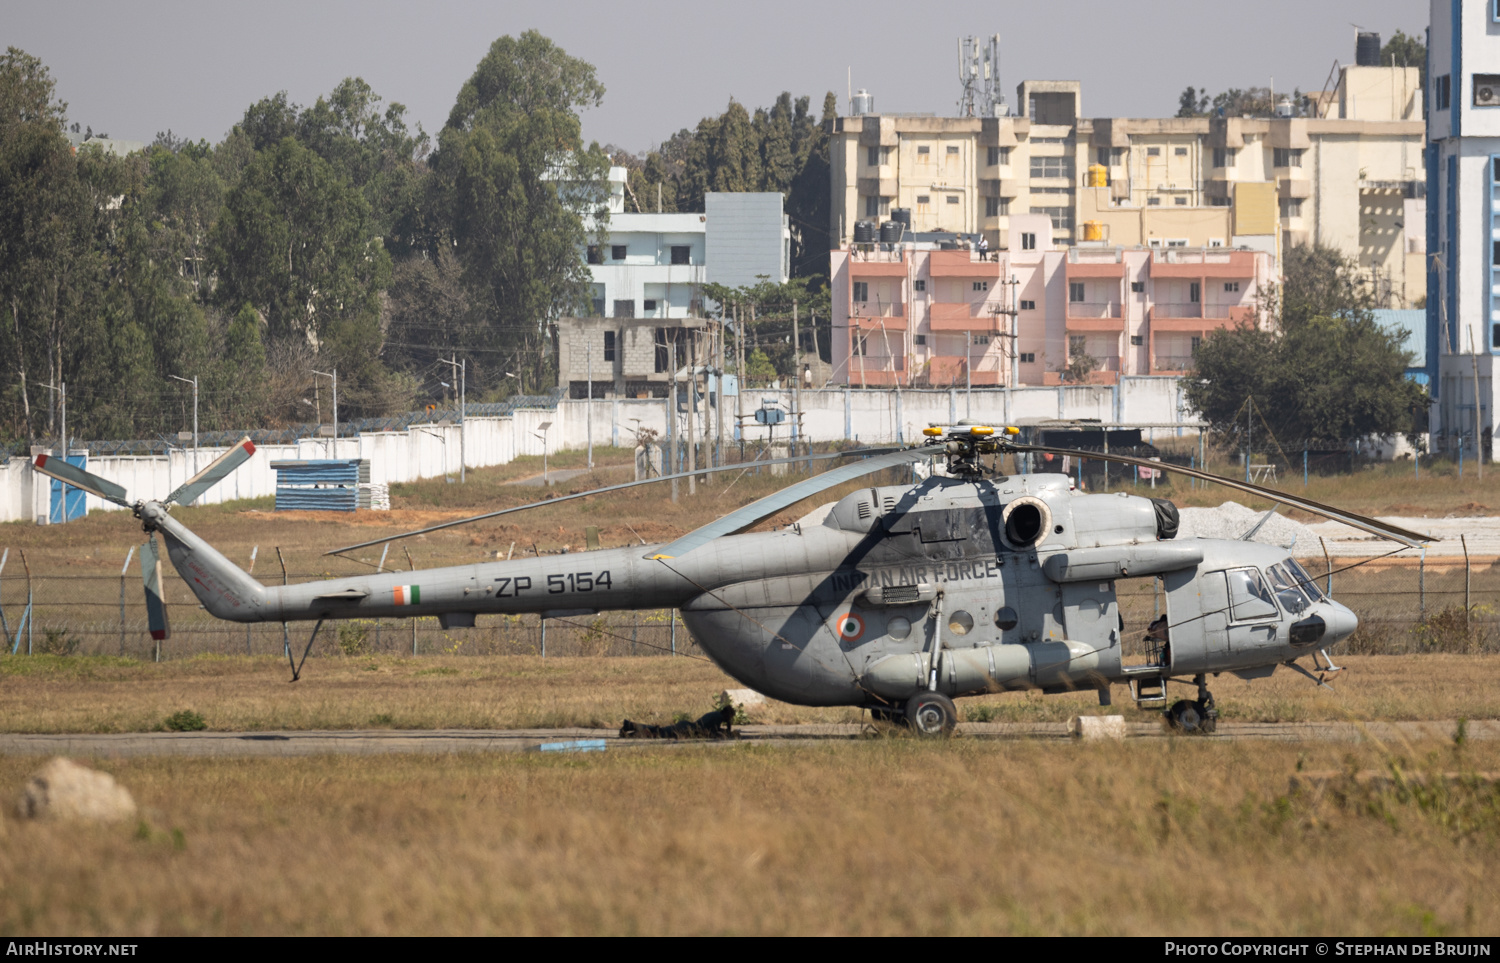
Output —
<point x="1191" y="717"/>
<point x="931" y="714"/>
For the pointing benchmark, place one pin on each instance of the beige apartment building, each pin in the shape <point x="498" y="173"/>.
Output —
<point x="1350" y="175"/>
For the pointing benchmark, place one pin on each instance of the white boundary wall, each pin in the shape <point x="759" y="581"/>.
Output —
<point x="878" y="416"/>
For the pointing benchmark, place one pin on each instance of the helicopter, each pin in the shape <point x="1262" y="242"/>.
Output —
<point x="894" y="599"/>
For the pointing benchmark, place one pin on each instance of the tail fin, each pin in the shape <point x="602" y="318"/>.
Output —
<point x="222" y="586"/>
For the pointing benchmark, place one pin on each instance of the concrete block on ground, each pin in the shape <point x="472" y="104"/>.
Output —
<point x="742" y="698"/>
<point x="1091" y="728"/>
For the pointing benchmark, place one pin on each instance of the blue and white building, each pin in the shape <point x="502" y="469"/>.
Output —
<point x="1463" y="220"/>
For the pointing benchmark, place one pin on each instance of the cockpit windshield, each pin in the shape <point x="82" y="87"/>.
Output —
<point x="1286" y="587"/>
<point x="1304" y="581"/>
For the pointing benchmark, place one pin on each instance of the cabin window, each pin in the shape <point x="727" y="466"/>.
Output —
<point x="1285" y="585"/>
<point x="1249" y="599"/>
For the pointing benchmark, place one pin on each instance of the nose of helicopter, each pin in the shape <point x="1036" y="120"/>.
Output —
<point x="1341" y="622"/>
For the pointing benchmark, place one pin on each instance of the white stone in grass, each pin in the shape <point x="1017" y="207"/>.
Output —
<point x="62" y="789"/>
<point x="1090" y="728"/>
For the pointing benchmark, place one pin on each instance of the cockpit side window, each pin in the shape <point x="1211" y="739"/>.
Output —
<point x="1285" y="586"/>
<point x="1304" y="581"/>
<point x="1249" y="599"/>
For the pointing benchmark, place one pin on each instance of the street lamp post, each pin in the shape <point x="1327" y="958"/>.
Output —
<point x="194" y="382"/>
<point x="543" y="429"/>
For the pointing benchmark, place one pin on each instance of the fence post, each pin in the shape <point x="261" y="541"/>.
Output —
<point x="30" y="612"/>
<point x="286" y="640"/>
<point x="3" y="622"/>
<point x="635" y="624"/>
<point x="1465" y="543"/>
<point x="1304" y="468"/>
<point x="123" y="569"/>
<point x="544" y="636"/>
<point x="1422" y="585"/>
<point x="674" y="631"/>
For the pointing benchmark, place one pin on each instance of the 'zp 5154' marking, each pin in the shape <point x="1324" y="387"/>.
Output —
<point x="556" y="584"/>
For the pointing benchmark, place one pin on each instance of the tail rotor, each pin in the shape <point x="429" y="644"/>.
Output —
<point x="156" y="605"/>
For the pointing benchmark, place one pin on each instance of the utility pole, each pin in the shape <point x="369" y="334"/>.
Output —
<point x="334" y="375"/>
<point x="1478" y="407"/>
<point x="192" y="381"/>
<point x="460" y="370"/>
<point x="796" y="384"/>
<point x="589" y="411"/>
<point x="719" y="398"/>
<point x="692" y="400"/>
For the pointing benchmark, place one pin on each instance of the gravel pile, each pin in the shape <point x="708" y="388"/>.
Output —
<point x="1231" y="520"/>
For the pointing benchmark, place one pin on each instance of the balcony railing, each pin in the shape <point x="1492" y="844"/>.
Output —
<point x="878" y="309"/>
<point x="1093" y="309"/>
<point x="1110" y="362"/>
<point x="1177" y="309"/>
<point x="1173" y="362"/>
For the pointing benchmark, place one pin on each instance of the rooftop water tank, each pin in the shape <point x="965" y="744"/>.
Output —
<point x="1367" y="49"/>
<point x="863" y="102"/>
<point x="903" y="215"/>
<point x="891" y="231"/>
<point x="864" y="232"/>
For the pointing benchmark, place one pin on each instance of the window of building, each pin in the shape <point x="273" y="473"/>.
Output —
<point x="1224" y="156"/>
<point x="984" y="339"/>
<point x="1231" y="287"/>
<point x="1195" y="291"/>
<point x="624" y="309"/>
<point x="952" y="150"/>
<point x="1216" y="242"/>
<point x="1291" y="207"/>
<point x="1137" y="339"/>
<point x="1137" y="287"/>
<point x="609" y="343"/>
<point x="1441" y="89"/>
<point x="1028" y="241"/>
<point x="923" y="150"/>
<point x="952" y="198"/>
<point x="1101" y="156"/>
<point x="924" y="199"/>
<point x="649" y="306"/>
<point x="617" y="252"/>
<point x="594" y="257"/>
<point x="1153" y="202"/>
<point x="920" y="284"/>
<point x="872" y="206"/>
<point x="999" y="155"/>
<point x="1153" y="151"/>
<point x="996" y="206"/>
<point x="1219" y="202"/>
<point x="980" y="286"/>
<point x="1062" y="217"/>
<point x="1051" y="190"/>
<point x="920" y="340"/>
<point x="1180" y="201"/>
<point x="859" y="343"/>
<point x="1075" y="291"/>
<point x="861" y="290"/>
<point x="1052" y="167"/>
<point x="1495" y="336"/>
<point x="1178" y="242"/>
<point x="681" y="254"/>
<point x="1193" y="343"/>
<point x="1286" y="157"/>
<point x="872" y="156"/>
<point x="1028" y="305"/>
<point x="1028" y="357"/>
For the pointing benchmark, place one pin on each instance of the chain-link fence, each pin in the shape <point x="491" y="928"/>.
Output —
<point x="1448" y="606"/>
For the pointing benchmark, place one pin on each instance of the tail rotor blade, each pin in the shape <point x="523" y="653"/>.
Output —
<point x="72" y="475"/>
<point x="156" y="606"/>
<point x="216" y="472"/>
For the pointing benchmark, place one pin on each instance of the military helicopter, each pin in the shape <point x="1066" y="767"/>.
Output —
<point x="895" y="599"/>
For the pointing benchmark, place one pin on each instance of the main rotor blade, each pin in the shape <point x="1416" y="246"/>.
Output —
<point x="156" y="606"/>
<point x="78" y="478"/>
<point x="742" y="466"/>
<point x="757" y="511"/>
<point x="1364" y="523"/>
<point x="216" y="472"/>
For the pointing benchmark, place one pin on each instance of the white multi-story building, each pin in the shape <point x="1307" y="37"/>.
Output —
<point x="649" y="269"/>
<point x="1463" y="219"/>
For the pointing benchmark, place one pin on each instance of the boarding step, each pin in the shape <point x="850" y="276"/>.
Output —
<point x="1152" y="689"/>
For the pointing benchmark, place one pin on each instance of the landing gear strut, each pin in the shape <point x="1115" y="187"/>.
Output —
<point x="1199" y="716"/>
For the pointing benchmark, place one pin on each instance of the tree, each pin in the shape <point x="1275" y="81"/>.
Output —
<point x="1403" y="50"/>
<point x="1324" y="372"/>
<point x="1193" y="103"/>
<point x="516" y="183"/>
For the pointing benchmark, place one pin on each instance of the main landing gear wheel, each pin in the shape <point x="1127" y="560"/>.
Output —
<point x="1193" y="717"/>
<point x="931" y="714"/>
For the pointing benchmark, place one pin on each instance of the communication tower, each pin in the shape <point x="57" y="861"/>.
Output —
<point x="979" y="74"/>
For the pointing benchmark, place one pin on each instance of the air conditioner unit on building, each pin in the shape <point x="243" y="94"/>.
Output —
<point x="1166" y="187"/>
<point x="1486" y="95"/>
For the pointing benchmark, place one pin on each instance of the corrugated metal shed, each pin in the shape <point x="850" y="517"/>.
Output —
<point x="324" y="484"/>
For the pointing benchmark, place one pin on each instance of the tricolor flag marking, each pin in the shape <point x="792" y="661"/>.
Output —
<point x="408" y="594"/>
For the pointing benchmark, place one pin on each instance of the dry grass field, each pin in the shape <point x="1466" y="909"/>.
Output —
<point x="882" y="837"/>
<point x="240" y="694"/>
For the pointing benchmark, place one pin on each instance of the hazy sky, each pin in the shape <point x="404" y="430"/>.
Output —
<point x="133" y="69"/>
